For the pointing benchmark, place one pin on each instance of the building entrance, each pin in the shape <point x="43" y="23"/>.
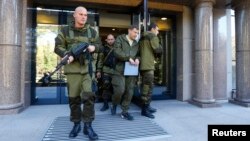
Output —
<point x="48" y="20"/>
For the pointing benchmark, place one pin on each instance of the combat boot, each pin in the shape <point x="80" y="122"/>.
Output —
<point x="75" y="130"/>
<point x="88" y="130"/>
<point x="145" y="111"/>
<point x="127" y="116"/>
<point x="113" y="109"/>
<point x="105" y="106"/>
<point x="151" y="109"/>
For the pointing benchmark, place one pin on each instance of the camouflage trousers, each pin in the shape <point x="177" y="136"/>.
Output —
<point x="80" y="92"/>
<point x="123" y="90"/>
<point x="147" y="86"/>
<point x="107" y="89"/>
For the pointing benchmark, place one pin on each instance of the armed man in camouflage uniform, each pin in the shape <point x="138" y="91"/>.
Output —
<point x="79" y="71"/>
<point x="125" y="50"/>
<point x="105" y="69"/>
<point x="149" y="48"/>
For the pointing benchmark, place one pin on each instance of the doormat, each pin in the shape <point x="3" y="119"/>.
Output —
<point x="109" y="128"/>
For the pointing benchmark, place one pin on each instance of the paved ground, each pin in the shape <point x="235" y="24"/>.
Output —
<point x="184" y="122"/>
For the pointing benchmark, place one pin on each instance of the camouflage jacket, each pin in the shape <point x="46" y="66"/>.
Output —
<point x="123" y="51"/>
<point x="149" y="47"/>
<point x="68" y="37"/>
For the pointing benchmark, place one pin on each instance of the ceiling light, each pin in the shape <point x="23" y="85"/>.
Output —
<point x="164" y="18"/>
<point x="39" y="8"/>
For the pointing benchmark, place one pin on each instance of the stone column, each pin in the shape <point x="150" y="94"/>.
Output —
<point x="242" y="19"/>
<point x="10" y="56"/>
<point x="222" y="53"/>
<point x="203" y="89"/>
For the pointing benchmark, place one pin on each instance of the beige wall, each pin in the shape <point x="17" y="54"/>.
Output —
<point x="114" y="20"/>
<point x="44" y="17"/>
<point x="185" y="45"/>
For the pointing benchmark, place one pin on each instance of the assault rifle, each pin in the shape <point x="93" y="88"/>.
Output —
<point x="75" y="52"/>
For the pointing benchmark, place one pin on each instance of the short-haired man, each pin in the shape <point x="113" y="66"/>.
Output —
<point x="105" y="69"/>
<point x="149" y="47"/>
<point x="125" y="50"/>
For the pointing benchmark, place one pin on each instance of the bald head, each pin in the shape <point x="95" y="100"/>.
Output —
<point x="80" y="16"/>
<point x="80" y="8"/>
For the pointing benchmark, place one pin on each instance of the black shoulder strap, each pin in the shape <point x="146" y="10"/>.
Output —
<point x="106" y="57"/>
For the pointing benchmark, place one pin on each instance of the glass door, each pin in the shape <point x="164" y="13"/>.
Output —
<point x="165" y="64"/>
<point x="46" y="60"/>
<point x="46" y="26"/>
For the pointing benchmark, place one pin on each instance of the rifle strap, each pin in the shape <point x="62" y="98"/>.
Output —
<point x="105" y="59"/>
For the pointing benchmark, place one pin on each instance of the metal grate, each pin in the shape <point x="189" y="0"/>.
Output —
<point x="109" y="128"/>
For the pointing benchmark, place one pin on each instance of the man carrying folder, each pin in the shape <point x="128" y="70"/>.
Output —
<point x="126" y="51"/>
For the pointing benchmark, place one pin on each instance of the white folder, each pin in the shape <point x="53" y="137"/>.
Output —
<point x="131" y="70"/>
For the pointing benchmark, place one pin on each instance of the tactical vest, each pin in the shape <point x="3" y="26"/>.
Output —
<point x="91" y="57"/>
<point x="90" y="39"/>
<point x="86" y="60"/>
<point x="73" y="40"/>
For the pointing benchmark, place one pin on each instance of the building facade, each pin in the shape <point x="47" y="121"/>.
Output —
<point x="196" y="35"/>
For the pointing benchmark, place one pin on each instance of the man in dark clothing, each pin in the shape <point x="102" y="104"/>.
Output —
<point x="105" y="70"/>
